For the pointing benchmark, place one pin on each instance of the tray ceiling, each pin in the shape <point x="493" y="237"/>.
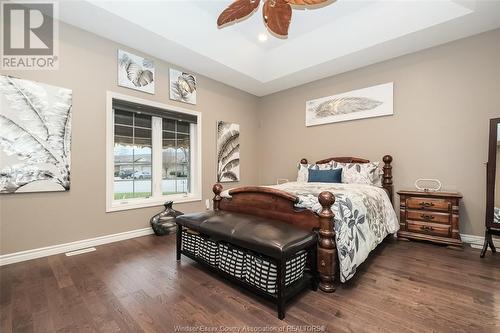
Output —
<point x="339" y="37"/>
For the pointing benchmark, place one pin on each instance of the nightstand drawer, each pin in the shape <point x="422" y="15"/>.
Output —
<point x="428" y="228"/>
<point x="428" y="203"/>
<point x="427" y="216"/>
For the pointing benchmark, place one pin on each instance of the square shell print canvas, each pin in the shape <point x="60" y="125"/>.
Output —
<point x="182" y="86"/>
<point x="136" y="72"/>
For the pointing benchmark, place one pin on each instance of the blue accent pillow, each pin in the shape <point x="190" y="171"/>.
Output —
<point x="325" y="176"/>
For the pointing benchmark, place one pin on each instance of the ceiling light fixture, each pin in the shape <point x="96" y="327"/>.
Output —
<point x="277" y="14"/>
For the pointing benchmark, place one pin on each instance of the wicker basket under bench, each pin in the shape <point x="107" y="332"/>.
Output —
<point x="274" y="262"/>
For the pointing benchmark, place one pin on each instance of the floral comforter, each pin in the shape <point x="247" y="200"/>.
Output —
<point x="364" y="216"/>
<point x="496" y="215"/>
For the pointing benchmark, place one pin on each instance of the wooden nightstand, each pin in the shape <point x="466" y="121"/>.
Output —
<point x="431" y="216"/>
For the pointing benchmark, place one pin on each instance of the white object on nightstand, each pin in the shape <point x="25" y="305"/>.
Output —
<point x="427" y="188"/>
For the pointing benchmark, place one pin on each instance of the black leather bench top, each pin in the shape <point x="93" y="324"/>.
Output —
<point x="275" y="239"/>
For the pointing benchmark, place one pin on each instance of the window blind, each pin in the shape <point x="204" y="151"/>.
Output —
<point x="152" y="111"/>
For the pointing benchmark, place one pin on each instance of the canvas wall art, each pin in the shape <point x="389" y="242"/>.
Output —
<point x="35" y="136"/>
<point x="136" y="72"/>
<point x="228" y="152"/>
<point x="182" y="86"/>
<point x="368" y="102"/>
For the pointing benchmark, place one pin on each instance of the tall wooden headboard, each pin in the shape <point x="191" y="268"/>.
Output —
<point x="387" y="168"/>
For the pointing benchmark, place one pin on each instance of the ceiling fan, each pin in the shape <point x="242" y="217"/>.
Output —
<point x="277" y="14"/>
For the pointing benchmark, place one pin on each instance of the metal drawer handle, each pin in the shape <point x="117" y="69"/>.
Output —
<point x="426" y="228"/>
<point x="426" y="204"/>
<point x="427" y="217"/>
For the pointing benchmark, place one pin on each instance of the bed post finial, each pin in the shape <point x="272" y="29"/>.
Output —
<point x="387" y="182"/>
<point x="303" y="161"/>
<point x="217" y="189"/>
<point x="327" y="249"/>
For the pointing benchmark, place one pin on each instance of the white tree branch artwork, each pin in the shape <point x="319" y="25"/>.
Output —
<point x="35" y="136"/>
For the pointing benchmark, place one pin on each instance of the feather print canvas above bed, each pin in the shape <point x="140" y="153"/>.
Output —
<point x="368" y="102"/>
<point x="136" y="72"/>
<point x="228" y="152"/>
<point x="35" y="136"/>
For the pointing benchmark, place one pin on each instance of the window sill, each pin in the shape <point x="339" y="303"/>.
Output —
<point x="150" y="202"/>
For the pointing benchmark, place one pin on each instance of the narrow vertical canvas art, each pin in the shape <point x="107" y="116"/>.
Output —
<point x="228" y="152"/>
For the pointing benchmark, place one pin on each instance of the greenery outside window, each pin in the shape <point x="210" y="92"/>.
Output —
<point x="153" y="153"/>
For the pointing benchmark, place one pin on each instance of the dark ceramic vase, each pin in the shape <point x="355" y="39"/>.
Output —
<point x="164" y="222"/>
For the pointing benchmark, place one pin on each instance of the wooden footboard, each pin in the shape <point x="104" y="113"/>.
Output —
<point x="280" y="205"/>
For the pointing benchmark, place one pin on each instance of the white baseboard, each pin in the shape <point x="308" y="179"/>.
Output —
<point x="477" y="242"/>
<point x="11" y="258"/>
<point x="62" y="248"/>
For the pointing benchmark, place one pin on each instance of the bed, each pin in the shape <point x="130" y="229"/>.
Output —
<point x="363" y="215"/>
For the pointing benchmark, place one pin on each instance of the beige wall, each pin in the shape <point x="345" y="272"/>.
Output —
<point x="88" y="67"/>
<point x="443" y="98"/>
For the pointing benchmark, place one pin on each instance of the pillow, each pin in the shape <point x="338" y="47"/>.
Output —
<point x="361" y="173"/>
<point x="377" y="175"/>
<point x="303" y="170"/>
<point x="325" y="176"/>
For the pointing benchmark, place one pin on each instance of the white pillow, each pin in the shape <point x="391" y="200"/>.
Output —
<point x="302" y="173"/>
<point x="303" y="170"/>
<point x="360" y="173"/>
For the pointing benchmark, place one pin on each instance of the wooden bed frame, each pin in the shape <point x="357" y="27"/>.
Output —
<point x="280" y="205"/>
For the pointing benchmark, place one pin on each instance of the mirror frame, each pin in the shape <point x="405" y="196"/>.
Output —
<point x="491" y="172"/>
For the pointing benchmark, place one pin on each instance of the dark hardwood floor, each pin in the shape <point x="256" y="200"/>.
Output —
<point x="137" y="286"/>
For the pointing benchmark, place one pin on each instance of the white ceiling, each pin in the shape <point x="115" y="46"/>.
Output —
<point x="339" y="37"/>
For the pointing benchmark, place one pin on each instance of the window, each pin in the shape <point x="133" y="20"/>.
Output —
<point x="153" y="153"/>
<point x="175" y="156"/>
<point x="132" y="156"/>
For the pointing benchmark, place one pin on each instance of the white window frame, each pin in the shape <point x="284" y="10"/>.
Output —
<point x="113" y="205"/>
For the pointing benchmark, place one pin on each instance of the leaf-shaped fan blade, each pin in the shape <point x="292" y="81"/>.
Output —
<point x="305" y="2"/>
<point x="237" y="10"/>
<point x="277" y="15"/>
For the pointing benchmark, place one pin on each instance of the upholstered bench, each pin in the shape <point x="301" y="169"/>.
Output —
<point x="272" y="258"/>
